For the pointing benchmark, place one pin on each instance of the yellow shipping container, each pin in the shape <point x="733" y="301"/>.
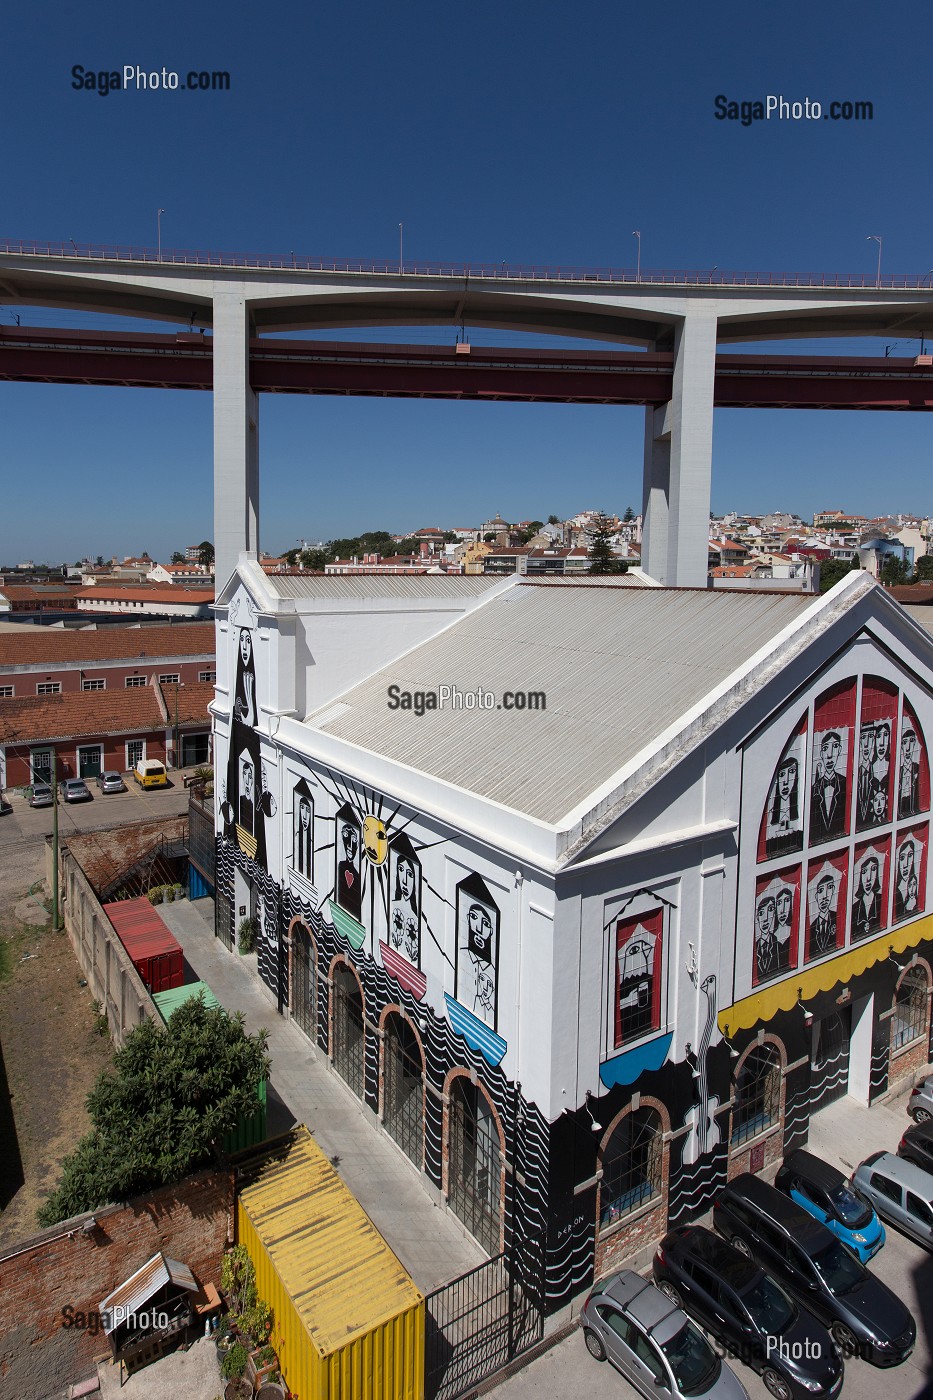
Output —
<point x="349" y="1321"/>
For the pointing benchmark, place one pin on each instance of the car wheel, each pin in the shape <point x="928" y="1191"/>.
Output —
<point x="671" y="1293"/>
<point x="593" y="1345"/>
<point x="845" y="1339"/>
<point x="741" y="1245"/>
<point x="776" y="1384"/>
<point x="921" y="1115"/>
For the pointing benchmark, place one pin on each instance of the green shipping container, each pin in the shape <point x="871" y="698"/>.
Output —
<point x="348" y="1319"/>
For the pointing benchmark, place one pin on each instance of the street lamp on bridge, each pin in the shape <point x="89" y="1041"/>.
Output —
<point x="876" y="237"/>
<point x="636" y="233"/>
<point x="159" y="213"/>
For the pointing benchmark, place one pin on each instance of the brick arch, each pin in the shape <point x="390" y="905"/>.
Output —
<point x="315" y="953"/>
<point x="394" y="1009"/>
<point x="648" y="1222"/>
<point x="915" y="1054"/>
<point x="462" y="1073"/>
<point x="341" y="960"/>
<point x="740" y="1153"/>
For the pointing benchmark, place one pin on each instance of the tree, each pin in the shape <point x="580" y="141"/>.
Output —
<point x="602" y="560"/>
<point x="206" y="554"/>
<point x="531" y="530"/>
<point x="164" y="1110"/>
<point x="924" y="573"/>
<point x="894" y="570"/>
<point x="178" y="557"/>
<point x="99" y="561"/>
<point x="832" y="570"/>
<point x="629" y="514"/>
<point x="553" y="520"/>
<point x="316" y="559"/>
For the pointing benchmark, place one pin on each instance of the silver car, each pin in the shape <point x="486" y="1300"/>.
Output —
<point x="920" y="1107"/>
<point x="111" y="782"/>
<point x="628" y="1321"/>
<point x="900" y="1191"/>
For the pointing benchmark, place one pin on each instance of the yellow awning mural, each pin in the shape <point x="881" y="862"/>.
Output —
<point x="763" y="1004"/>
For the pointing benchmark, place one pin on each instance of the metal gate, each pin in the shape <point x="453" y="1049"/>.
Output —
<point x="479" y="1323"/>
<point x="349" y="1029"/>
<point x="302" y="991"/>
<point x="829" y="1077"/>
<point x="223" y="919"/>
<point x="403" y="1110"/>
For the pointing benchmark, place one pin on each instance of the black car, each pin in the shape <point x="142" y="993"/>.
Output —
<point x="916" y="1146"/>
<point x="734" y="1299"/>
<point x="864" y="1317"/>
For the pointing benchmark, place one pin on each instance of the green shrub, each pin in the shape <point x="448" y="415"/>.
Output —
<point x="234" y="1363"/>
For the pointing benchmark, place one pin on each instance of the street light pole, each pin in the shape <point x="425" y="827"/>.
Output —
<point x="636" y="233"/>
<point x="56" y="922"/>
<point x="401" y="260"/>
<point x="159" y="213"/>
<point x="876" y="238"/>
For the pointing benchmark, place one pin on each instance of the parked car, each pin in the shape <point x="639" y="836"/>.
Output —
<point x="111" y="782"/>
<point x="900" y="1191"/>
<point x="916" y="1146"/>
<point x="732" y="1297"/>
<point x="627" y="1321"/>
<point x="864" y="1316"/>
<point x="825" y="1194"/>
<point x="920" y="1106"/>
<point x="75" y="790"/>
<point x="41" y="795"/>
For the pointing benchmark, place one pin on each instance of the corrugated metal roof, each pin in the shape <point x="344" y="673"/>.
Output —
<point x="379" y="585"/>
<point x="170" y="1000"/>
<point x="618" y="666"/>
<point x="139" y="928"/>
<point x="342" y="1277"/>
<point x="144" y="1284"/>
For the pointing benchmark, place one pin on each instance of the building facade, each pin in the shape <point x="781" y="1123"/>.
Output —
<point x="582" y="960"/>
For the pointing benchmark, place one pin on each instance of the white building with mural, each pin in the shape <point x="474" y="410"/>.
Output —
<point x="584" y="956"/>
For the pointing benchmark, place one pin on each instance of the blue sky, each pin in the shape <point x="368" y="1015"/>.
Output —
<point x="525" y="131"/>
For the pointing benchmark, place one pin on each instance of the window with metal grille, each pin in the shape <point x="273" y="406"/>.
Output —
<point x="403" y="1102"/>
<point x="349" y="1043"/>
<point x="632" y="1166"/>
<point x="474" y="1164"/>
<point x="909" y="1021"/>
<point x="757" y="1094"/>
<point x="303" y="986"/>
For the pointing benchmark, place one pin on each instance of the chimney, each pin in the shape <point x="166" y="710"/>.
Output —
<point x="424" y="549"/>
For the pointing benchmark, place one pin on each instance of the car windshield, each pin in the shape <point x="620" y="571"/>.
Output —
<point x="770" y="1308"/>
<point x="838" y="1269"/>
<point x="849" y="1207"/>
<point x="695" y="1365"/>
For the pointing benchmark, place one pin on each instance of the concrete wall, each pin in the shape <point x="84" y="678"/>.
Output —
<point x="65" y="1266"/>
<point x="112" y="978"/>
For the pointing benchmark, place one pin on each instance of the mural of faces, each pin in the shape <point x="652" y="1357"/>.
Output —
<point x="869" y="890"/>
<point x="829" y="796"/>
<point x="910" y="874"/>
<point x="826" y="905"/>
<point x="783" y="817"/>
<point x="872" y="794"/>
<point x="913" y="774"/>
<point x="405" y="900"/>
<point x="776" y="910"/>
<point x="303" y="830"/>
<point x="637" y="976"/>
<point x="244" y="699"/>
<point x="349" y="885"/>
<point x="247" y="806"/>
<point x="477" y="949"/>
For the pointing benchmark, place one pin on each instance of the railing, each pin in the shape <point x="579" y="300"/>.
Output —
<point x="293" y="262"/>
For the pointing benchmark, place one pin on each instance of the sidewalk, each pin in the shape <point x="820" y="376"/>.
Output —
<point x="428" y="1239"/>
<point x="846" y="1132"/>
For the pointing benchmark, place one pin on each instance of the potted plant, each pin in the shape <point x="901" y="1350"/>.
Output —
<point x="155" y="895"/>
<point x="246" y="935"/>
<point x="178" y="891"/>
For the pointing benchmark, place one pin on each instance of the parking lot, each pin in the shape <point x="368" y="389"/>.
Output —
<point x="844" y="1133"/>
<point x="22" y="823"/>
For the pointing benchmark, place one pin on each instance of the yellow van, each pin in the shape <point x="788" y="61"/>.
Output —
<point x="150" y="773"/>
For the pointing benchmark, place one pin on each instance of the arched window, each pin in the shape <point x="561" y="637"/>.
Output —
<point x="302" y="988"/>
<point x="349" y="1028"/>
<point x="474" y="1165"/>
<point x="909" y="1022"/>
<point x="632" y="1166"/>
<point x="403" y="1097"/>
<point x="757" y="1094"/>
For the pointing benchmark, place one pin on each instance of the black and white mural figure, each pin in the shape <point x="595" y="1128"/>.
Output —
<point x="766" y="950"/>
<point x="867" y="907"/>
<point x="784" y="822"/>
<point x="244" y="694"/>
<point x="246" y="798"/>
<point x="908" y="782"/>
<point x="907" y="878"/>
<point x="776" y="909"/>
<point x="405" y="900"/>
<point x="349" y="886"/>
<point x="828" y="789"/>
<point x="823" y="921"/>
<point x="866" y="788"/>
<point x="246" y="811"/>
<point x="303" y="830"/>
<point x="477" y="949"/>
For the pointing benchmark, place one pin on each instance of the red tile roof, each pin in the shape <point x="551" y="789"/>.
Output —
<point x="80" y="714"/>
<point x="157" y="593"/>
<point x="193" y="700"/>
<point x="33" y="645"/>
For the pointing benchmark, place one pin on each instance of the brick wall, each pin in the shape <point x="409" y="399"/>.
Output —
<point x="109" y="970"/>
<point x="39" y="1357"/>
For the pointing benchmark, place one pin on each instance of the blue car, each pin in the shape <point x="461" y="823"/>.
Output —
<point x="825" y="1193"/>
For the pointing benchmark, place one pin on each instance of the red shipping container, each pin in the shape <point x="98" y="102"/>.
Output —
<point x="155" y="952"/>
